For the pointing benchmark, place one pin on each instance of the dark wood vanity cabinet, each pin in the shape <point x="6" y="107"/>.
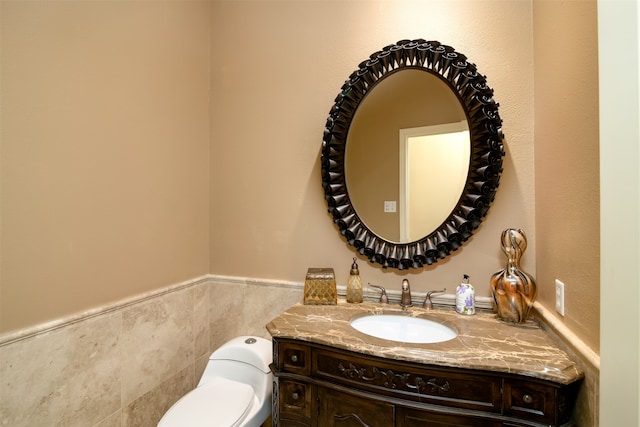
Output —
<point x="319" y="386"/>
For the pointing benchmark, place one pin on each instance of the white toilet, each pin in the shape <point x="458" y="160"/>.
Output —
<point x="235" y="388"/>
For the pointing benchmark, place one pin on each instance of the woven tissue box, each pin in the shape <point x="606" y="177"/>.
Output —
<point x="320" y="287"/>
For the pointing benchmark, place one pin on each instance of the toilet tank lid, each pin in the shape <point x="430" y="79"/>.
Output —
<point x="248" y="349"/>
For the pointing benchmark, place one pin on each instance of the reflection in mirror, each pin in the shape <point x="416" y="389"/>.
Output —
<point x="425" y="185"/>
<point x="469" y="88"/>
<point x="434" y="161"/>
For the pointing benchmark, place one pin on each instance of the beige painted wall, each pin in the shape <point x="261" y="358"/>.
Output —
<point x="105" y="144"/>
<point x="566" y="159"/>
<point x="276" y="69"/>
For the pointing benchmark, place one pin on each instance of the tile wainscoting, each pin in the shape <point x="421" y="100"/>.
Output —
<point x="125" y="364"/>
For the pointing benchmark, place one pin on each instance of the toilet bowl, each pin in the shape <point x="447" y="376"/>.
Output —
<point x="235" y="388"/>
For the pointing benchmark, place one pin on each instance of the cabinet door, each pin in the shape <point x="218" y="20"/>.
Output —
<point x="336" y="409"/>
<point x="417" y="418"/>
<point x="292" y="423"/>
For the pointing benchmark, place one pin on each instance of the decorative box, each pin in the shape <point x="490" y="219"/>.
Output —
<point x="320" y="287"/>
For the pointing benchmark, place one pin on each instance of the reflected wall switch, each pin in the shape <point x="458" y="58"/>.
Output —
<point x="389" y="205"/>
<point x="560" y="297"/>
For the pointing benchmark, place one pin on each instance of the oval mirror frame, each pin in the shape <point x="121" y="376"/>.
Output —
<point x="486" y="154"/>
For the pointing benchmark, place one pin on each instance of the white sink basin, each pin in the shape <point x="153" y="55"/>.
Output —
<point x="397" y="327"/>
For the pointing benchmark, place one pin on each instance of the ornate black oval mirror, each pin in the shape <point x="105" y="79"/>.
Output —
<point x="428" y="67"/>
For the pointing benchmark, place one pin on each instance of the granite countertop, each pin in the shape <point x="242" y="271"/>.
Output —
<point x="483" y="342"/>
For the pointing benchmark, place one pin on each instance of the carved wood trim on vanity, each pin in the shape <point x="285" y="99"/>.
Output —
<point x="390" y="379"/>
<point x="322" y="386"/>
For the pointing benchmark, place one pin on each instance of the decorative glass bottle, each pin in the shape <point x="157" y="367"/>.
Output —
<point x="354" y="284"/>
<point x="513" y="290"/>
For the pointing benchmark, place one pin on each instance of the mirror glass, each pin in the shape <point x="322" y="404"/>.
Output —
<point x="407" y="155"/>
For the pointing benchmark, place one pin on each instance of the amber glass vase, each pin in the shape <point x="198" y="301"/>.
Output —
<point x="513" y="290"/>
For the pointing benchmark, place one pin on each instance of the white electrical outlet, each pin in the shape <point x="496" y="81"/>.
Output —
<point x="560" y="297"/>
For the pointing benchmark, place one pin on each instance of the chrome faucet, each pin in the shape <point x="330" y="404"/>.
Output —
<point x="428" y="304"/>
<point x="405" y="299"/>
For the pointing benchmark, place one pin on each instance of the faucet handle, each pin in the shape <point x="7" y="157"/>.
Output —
<point x="428" y="304"/>
<point x="383" y="295"/>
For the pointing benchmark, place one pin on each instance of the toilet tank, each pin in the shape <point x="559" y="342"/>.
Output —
<point x="255" y="351"/>
<point x="244" y="359"/>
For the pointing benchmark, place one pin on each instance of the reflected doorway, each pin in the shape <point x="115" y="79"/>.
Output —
<point x="434" y="162"/>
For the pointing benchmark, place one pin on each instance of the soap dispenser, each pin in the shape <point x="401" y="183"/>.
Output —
<point x="354" y="284"/>
<point x="465" y="297"/>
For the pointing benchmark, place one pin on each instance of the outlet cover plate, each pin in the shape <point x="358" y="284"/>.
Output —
<point x="389" y="205"/>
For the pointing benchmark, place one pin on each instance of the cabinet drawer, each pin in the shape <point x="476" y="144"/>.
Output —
<point x="431" y="385"/>
<point x="293" y="358"/>
<point x="531" y="401"/>
<point x="294" y="398"/>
